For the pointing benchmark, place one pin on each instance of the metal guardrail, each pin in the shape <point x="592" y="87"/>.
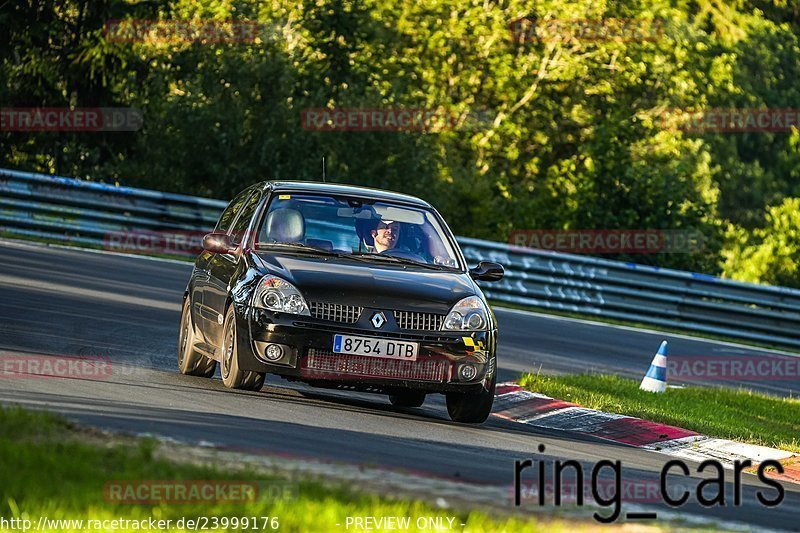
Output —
<point x="642" y="294"/>
<point x="85" y="212"/>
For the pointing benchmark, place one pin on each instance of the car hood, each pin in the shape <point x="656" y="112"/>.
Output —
<point x="372" y="285"/>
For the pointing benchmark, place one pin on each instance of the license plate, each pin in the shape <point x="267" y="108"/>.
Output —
<point x="385" y="348"/>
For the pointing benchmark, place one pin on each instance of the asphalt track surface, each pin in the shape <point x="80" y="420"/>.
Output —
<point x="58" y="301"/>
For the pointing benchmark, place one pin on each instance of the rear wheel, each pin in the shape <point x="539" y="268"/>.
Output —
<point x="232" y="376"/>
<point x="471" y="408"/>
<point x="407" y="399"/>
<point x="190" y="361"/>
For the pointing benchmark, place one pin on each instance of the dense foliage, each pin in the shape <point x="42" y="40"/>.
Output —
<point x="550" y="133"/>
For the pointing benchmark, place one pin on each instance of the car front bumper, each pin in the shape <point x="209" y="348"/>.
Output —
<point x="307" y="345"/>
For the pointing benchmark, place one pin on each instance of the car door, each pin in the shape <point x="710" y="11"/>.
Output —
<point x="205" y="317"/>
<point x="223" y="269"/>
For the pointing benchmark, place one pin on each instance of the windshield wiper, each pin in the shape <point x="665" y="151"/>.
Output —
<point x="300" y="247"/>
<point x="394" y="259"/>
<point x="356" y="256"/>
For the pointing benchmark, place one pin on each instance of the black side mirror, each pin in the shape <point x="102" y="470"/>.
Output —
<point x="218" y="243"/>
<point x="487" y="271"/>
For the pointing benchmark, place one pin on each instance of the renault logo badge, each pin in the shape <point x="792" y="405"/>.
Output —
<point x="378" y="319"/>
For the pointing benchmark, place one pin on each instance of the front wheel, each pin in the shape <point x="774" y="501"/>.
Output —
<point x="232" y="376"/>
<point x="472" y="408"/>
<point x="190" y="361"/>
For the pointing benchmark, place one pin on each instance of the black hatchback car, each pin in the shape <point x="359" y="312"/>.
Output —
<point x="345" y="287"/>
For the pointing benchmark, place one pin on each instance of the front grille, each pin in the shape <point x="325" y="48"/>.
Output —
<point x="324" y="364"/>
<point x="346" y="314"/>
<point x="418" y="321"/>
<point x="440" y="337"/>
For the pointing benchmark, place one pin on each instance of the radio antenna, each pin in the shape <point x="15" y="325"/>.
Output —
<point x="323" y="169"/>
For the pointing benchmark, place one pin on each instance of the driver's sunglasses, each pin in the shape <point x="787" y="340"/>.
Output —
<point x="384" y="227"/>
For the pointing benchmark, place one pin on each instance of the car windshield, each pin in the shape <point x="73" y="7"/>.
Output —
<point x="379" y="231"/>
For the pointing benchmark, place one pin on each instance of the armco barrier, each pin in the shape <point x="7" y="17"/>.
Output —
<point x="49" y="206"/>
<point x="84" y="212"/>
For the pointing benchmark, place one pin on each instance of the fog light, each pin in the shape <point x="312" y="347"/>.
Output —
<point x="273" y="352"/>
<point x="467" y="372"/>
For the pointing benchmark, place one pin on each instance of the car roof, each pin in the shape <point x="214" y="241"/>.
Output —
<point x="346" y="190"/>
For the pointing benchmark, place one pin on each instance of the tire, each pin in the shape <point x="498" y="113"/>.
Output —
<point x="407" y="399"/>
<point x="232" y="376"/>
<point x="190" y="361"/>
<point x="471" y="408"/>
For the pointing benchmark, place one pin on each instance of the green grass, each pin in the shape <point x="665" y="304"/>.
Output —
<point x="738" y="415"/>
<point x="50" y="468"/>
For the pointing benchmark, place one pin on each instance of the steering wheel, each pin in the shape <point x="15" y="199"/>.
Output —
<point x="403" y="254"/>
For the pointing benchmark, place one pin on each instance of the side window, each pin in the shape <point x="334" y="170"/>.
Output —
<point x="226" y="219"/>
<point x="241" y="223"/>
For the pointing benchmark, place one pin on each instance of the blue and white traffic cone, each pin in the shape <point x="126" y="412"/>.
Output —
<point x="656" y="378"/>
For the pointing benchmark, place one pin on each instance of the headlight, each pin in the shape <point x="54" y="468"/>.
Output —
<point x="276" y="294"/>
<point x="467" y="315"/>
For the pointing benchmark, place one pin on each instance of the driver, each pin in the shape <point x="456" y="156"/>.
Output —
<point x="385" y="235"/>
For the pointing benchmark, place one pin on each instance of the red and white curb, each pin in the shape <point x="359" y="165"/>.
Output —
<point x="512" y="402"/>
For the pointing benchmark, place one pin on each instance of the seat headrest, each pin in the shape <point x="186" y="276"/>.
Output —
<point x="364" y="229"/>
<point x="284" y="225"/>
